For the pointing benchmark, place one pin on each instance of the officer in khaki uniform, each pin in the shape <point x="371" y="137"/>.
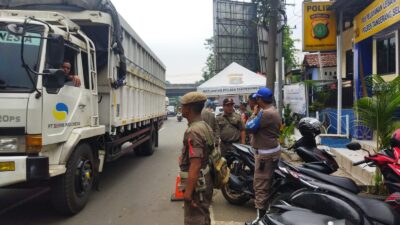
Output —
<point x="209" y="117"/>
<point x="194" y="162"/>
<point x="264" y="124"/>
<point x="231" y="127"/>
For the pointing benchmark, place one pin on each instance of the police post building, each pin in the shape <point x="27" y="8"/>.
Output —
<point x="367" y="40"/>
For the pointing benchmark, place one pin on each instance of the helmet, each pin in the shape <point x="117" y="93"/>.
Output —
<point x="395" y="140"/>
<point x="309" y="127"/>
<point x="264" y="93"/>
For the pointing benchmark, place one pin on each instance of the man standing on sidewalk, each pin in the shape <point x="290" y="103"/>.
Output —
<point x="264" y="124"/>
<point x="194" y="162"/>
<point x="231" y="127"/>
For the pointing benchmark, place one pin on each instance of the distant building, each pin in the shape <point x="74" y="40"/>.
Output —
<point x="320" y="66"/>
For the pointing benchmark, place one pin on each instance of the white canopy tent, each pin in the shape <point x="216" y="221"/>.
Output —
<point x="233" y="80"/>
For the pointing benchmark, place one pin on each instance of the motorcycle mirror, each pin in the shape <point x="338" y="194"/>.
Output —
<point x="354" y="146"/>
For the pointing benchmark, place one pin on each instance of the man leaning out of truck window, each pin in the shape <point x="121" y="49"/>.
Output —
<point x="70" y="79"/>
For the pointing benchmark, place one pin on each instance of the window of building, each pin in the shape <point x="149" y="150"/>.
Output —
<point x="349" y="65"/>
<point x="386" y="55"/>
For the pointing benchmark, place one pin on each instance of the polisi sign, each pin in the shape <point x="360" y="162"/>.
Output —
<point x="317" y="8"/>
<point x="319" y="22"/>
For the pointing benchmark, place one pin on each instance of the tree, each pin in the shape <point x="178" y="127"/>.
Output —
<point x="209" y="69"/>
<point x="289" y="49"/>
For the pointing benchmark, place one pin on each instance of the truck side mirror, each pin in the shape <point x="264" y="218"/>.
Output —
<point x="55" y="50"/>
<point x="54" y="78"/>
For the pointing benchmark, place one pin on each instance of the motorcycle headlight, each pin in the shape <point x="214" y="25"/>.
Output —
<point x="12" y="144"/>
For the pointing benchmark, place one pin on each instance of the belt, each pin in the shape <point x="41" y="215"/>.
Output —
<point x="268" y="151"/>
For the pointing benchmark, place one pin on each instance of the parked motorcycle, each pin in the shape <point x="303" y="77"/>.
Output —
<point x="321" y="204"/>
<point x="240" y="186"/>
<point x="387" y="160"/>
<point x="179" y="116"/>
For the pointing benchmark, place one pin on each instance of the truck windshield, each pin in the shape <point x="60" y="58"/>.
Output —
<point x="13" y="77"/>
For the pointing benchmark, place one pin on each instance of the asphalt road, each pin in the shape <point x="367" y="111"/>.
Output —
<point x="133" y="191"/>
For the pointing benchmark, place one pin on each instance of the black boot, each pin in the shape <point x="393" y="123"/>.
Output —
<point x="260" y="214"/>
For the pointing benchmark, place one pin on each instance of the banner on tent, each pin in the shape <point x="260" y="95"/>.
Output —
<point x="229" y="90"/>
<point x="295" y="95"/>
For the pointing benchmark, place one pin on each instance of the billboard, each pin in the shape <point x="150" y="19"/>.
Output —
<point x="376" y="17"/>
<point x="319" y="27"/>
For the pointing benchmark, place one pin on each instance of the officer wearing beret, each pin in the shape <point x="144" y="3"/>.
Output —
<point x="194" y="161"/>
<point x="264" y="124"/>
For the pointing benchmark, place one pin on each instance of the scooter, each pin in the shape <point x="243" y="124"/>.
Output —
<point x="179" y="116"/>
<point x="322" y="204"/>
<point x="387" y="160"/>
<point x="242" y="164"/>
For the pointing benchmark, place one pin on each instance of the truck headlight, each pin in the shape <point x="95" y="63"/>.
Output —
<point x="8" y="144"/>
<point x="12" y="144"/>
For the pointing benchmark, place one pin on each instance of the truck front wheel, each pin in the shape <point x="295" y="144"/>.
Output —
<point x="70" y="192"/>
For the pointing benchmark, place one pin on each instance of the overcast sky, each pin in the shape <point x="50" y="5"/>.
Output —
<point x="176" y="31"/>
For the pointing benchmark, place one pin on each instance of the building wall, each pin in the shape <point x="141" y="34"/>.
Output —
<point x="347" y="45"/>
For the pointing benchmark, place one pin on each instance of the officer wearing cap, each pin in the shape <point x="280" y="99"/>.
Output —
<point x="194" y="161"/>
<point x="264" y="124"/>
<point x="231" y="127"/>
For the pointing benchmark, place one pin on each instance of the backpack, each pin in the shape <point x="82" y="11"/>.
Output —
<point x="218" y="166"/>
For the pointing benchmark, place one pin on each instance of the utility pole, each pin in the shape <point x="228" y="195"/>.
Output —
<point x="272" y="38"/>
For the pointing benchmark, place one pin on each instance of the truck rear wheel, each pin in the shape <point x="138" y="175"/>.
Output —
<point x="70" y="192"/>
<point x="148" y="147"/>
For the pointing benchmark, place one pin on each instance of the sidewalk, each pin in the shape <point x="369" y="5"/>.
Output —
<point x="362" y="174"/>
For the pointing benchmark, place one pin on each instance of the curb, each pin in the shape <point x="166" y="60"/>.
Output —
<point x="346" y="158"/>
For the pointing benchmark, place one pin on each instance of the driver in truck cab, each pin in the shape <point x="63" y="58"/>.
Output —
<point x="70" y="79"/>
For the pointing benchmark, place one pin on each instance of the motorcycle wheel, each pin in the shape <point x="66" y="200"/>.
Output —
<point x="234" y="197"/>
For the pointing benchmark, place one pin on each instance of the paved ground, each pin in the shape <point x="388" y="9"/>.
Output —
<point x="134" y="190"/>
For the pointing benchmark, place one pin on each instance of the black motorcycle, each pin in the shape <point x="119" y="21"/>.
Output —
<point x="321" y="204"/>
<point x="318" y="163"/>
<point x="241" y="162"/>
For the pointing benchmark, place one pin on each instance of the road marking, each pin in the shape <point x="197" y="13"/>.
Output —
<point x="17" y="204"/>
<point x="214" y="222"/>
<point x="161" y="129"/>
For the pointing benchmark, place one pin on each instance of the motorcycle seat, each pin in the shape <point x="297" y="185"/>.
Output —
<point x="304" y="218"/>
<point x="372" y="208"/>
<point x="342" y="182"/>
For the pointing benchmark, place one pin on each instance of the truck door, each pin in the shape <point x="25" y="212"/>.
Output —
<point x="66" y="108"/>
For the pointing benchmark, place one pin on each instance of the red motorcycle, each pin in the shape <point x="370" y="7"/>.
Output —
<point x="388" y="162"/>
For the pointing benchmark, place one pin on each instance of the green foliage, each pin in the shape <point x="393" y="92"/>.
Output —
<point x="287" y="115"/>
<point x="289" y="49"/>
<point x="209" y="69"/>
<point x="377" y="112"/>
<point x="321" y="95"/>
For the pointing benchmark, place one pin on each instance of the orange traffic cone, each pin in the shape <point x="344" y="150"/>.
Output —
<point x="178" y="195"/>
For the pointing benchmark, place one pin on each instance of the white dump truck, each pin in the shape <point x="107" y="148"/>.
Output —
<point x="55" y="132"/>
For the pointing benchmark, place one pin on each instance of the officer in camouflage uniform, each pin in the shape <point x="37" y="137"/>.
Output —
<point x="231" y="127"/>
<point x="194" y="162"/>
